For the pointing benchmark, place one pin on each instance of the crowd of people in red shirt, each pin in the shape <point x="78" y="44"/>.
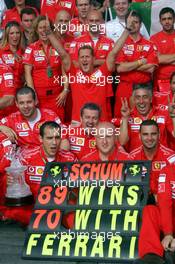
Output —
<point x="64" y="68"/>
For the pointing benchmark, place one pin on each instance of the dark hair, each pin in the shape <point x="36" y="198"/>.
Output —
<point x="50" y="124"/>
<point x="166" y="10"/>
<point x="147" y="85"/>
<point x="90" y="106"/>
<point x="77" y="3"/>
<point x="28" y="11"/>
<point x="12" y="23"/>
<point x="25" y="90"/>
<point x="172" y="75"/>
<point x="149" y="122"/>
<point x="134" y="14"/>
<point x="86" y="47"/>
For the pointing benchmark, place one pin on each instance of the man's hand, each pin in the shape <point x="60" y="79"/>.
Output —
<point x="166" y="242"/>
<point x="171" y="106"/>
<point x="10" y="133"/>
<point x="125" y="110"/>
<point x="61" y="98"/>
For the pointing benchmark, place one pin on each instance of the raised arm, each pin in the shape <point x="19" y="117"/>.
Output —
<point x="56" y="43"/>
<point x="111" y="58"/>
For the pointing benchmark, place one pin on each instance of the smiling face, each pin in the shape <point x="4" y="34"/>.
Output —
<point x="51" y="142"/>
<point x="89" y="119"/>
<point x="41" y="30"/>
<point x="142" y="100"/>
<point x="26" y="105"/>
<point x="86" y="60"/>
<point x="14" y="36"/>
<point x="149" y="136"/>
<point x="121" y="8"/>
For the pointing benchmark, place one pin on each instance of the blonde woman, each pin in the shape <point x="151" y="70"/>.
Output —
<point x="43" y="71"/>
<point x="11" y="51"/>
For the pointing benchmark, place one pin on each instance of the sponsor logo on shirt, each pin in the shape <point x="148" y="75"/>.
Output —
<point x="22" y="127"/>
<point x="35" y="170"/>
<point x="92" y="143"/>
<point x="158" y="165"/>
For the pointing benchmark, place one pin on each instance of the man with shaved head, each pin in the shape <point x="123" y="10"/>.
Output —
<point x="106" y="144"/>
<point x="62" y="23"/>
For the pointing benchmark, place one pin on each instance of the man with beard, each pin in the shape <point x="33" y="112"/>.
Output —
<point x="164" y="41"/>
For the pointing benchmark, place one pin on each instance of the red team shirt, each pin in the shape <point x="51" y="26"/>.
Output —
<point x="15" y="62"/>
<point x="35" y="160"/>
<point x="81" y="143"/>
<point x="51" y="8"/>
<point x="47" y="88"/>
<point x="27" y="136"/>
<point x="161" y="116"/>
<point x="13" y="15"/>
<point x="130" y="52"/>
<point x="7" y="86"/>
<point x="103" y="46"/>
<point x="162" y="183"/>
<point x="165" y="44"/>
<point x="162" y="158"/>
<point x="86" y="88"/>
<point x="77" y="28"/>
<point x="118" y="154"/>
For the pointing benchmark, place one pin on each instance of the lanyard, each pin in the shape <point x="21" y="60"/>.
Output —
<point x="49" y="70"/>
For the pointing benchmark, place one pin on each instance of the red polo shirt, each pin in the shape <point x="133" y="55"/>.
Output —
<point x="132" y="51"/>
<point x="51" y="8"/>
<point x="161" y="116"/>
<point x="165" y="44"/>
<point x="27" y="136"/>
<point x="13" y="15"/>
<point x="103" y="46"/>
<point x="90" y="87"/>
<point x="118" y="154"/>
<point x="14" y="60"/>
<point x="136" y="50"/>
<point x="77" y="28"/>
<point x="7" y="86"/>
<point x="80" y="143"/>
<point x="36" y="57"/>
